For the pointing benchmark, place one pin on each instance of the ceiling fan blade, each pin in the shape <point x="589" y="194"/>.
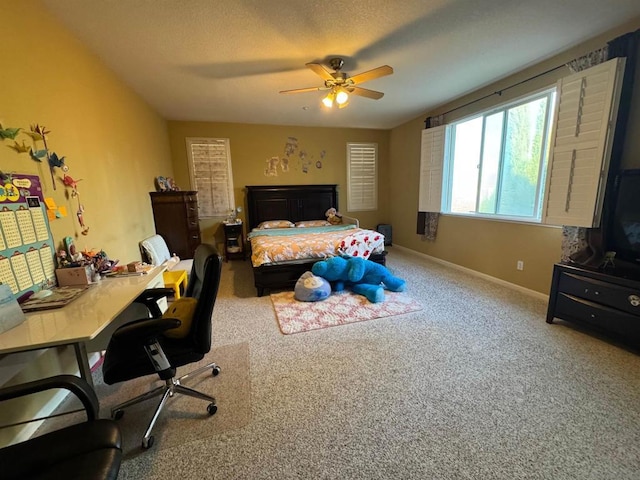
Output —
<point x="365" y="92"/>
<point x="320" y="70"/>
<point x="371" y="74"/>
<point x="303" y="90"/>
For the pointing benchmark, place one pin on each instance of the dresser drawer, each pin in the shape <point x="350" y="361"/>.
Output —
<point x="193" y="239"/>
<point x="193" y="223"/>
<point x="573" y="308"/>
<point x="608" y="294"/>
<point x="191" y="209"/>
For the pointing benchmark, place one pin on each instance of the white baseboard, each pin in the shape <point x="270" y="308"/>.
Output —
<point x="475" y="273"/>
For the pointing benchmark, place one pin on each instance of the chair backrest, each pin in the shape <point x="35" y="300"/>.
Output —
<point x="154" y="250"/>
<point x="203" y="285"/>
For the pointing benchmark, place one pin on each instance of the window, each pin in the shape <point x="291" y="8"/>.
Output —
<point x="362" y="176"/>
<point x="495" y="165"/>
<point x="496" y="161"/>
<point x="210" y="173"/>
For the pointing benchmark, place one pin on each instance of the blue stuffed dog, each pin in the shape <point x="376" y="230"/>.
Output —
<point x="363" y="277"/>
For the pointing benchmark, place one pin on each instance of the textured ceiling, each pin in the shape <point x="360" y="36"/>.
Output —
<point x="226" y="60"/>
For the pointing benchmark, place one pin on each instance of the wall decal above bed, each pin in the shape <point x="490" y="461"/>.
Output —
<point x="295" y="158"/>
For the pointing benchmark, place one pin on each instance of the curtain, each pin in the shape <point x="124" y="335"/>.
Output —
<point x="427" y="224"/>
<point x="436" y="121"/>
<point x="591" y="59"/>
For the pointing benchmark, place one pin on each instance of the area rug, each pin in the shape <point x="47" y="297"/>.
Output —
<point x="339" y="309"/>
<point x="183" y="419"/>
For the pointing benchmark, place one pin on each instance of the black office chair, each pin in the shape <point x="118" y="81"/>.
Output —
<point x="139" y="348"/>
<point x="87" y="450"/>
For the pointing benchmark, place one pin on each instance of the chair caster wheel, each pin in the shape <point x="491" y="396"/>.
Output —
<point x="148" y="442"/>
<point x="215" y="371"/>
<point x="212" y="408"/>
<point x="118" y="414"/>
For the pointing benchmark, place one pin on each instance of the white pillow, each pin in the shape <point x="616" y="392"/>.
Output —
<point x="276" y="224"/>
<point x="312" y="223"/>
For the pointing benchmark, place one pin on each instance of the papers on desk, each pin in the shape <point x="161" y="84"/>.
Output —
<point x="124" y="273"/>
<point x="119" y="272"/>
<point x="60" y="297"/>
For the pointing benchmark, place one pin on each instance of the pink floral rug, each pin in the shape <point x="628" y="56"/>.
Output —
<point x="339" y="309"/>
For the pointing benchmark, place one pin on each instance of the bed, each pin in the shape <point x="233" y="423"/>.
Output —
<point x="295" y="203"/>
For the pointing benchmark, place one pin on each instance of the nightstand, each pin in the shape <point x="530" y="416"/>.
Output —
<point x="233" y="241"/>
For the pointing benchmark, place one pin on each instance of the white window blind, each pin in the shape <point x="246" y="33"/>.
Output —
<point x="362" y="176"/>
<point x="211" y="176"/>
<point x="431" y="167"/>
<point x="585" y="121"/>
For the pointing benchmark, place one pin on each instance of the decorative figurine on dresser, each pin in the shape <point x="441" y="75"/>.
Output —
<point x="175" y="214"/>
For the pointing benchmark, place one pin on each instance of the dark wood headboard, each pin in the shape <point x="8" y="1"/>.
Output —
<point x="289" y="202"/>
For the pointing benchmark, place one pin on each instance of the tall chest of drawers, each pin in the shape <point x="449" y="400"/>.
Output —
<point x="606" y="301"/>
<point x="175" y="215"/>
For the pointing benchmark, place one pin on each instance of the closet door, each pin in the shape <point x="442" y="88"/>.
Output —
<point x="431" y="169"/>
<point x="585" y="119"/>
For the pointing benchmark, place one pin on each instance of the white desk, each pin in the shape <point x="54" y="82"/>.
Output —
<point x="80" y="321"/>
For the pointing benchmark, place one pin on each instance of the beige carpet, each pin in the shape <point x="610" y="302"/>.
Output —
<point x="183" y="419"/>
<point x="339" y="309"/>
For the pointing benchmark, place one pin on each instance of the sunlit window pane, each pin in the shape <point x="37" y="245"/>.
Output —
<point x="466" y="160"/>
<point x="522" y="158"/>
<point x="491" y="163"/>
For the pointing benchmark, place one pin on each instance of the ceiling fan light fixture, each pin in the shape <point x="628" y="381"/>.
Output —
<point x="342" y="105"/>
<point x="328" y="100"/>
<point x="340" y="85"/>
<point x="342" y="97"/>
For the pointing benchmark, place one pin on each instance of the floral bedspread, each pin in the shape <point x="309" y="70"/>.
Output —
<point x="294" y="245"/>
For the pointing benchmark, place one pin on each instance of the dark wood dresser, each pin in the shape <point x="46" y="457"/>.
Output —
<point x="606" y="301"/>
<point x="176" y="218"/>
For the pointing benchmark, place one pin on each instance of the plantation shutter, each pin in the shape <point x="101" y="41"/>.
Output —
<point x="210" y="173"/>
<point x="585" y="120"/>
<point x="362" y="176"/>
<point x="431" y="168"/>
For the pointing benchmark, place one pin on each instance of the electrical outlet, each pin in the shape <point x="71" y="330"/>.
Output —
<point x="520" y="265"/>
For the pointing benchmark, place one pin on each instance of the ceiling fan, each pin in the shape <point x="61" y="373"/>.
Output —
<point x="340" y="85"/>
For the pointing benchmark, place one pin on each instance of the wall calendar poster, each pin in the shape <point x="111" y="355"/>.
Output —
<point x="27" y="252"/>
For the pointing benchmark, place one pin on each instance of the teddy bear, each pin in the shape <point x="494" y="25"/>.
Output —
<point x="363" y="277"/>
<point x="333" y="216"/>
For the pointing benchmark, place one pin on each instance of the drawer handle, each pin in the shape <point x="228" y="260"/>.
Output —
<point x="634" y="300"/>
<point x="593" y="315"/>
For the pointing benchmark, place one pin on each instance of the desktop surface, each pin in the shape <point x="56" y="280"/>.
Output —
<point x="79" y="321"/>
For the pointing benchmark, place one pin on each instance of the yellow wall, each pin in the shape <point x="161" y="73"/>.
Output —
<point x="487" y="246"/>
<point x="111" y="139"/>
<point x="253" y="145"/>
